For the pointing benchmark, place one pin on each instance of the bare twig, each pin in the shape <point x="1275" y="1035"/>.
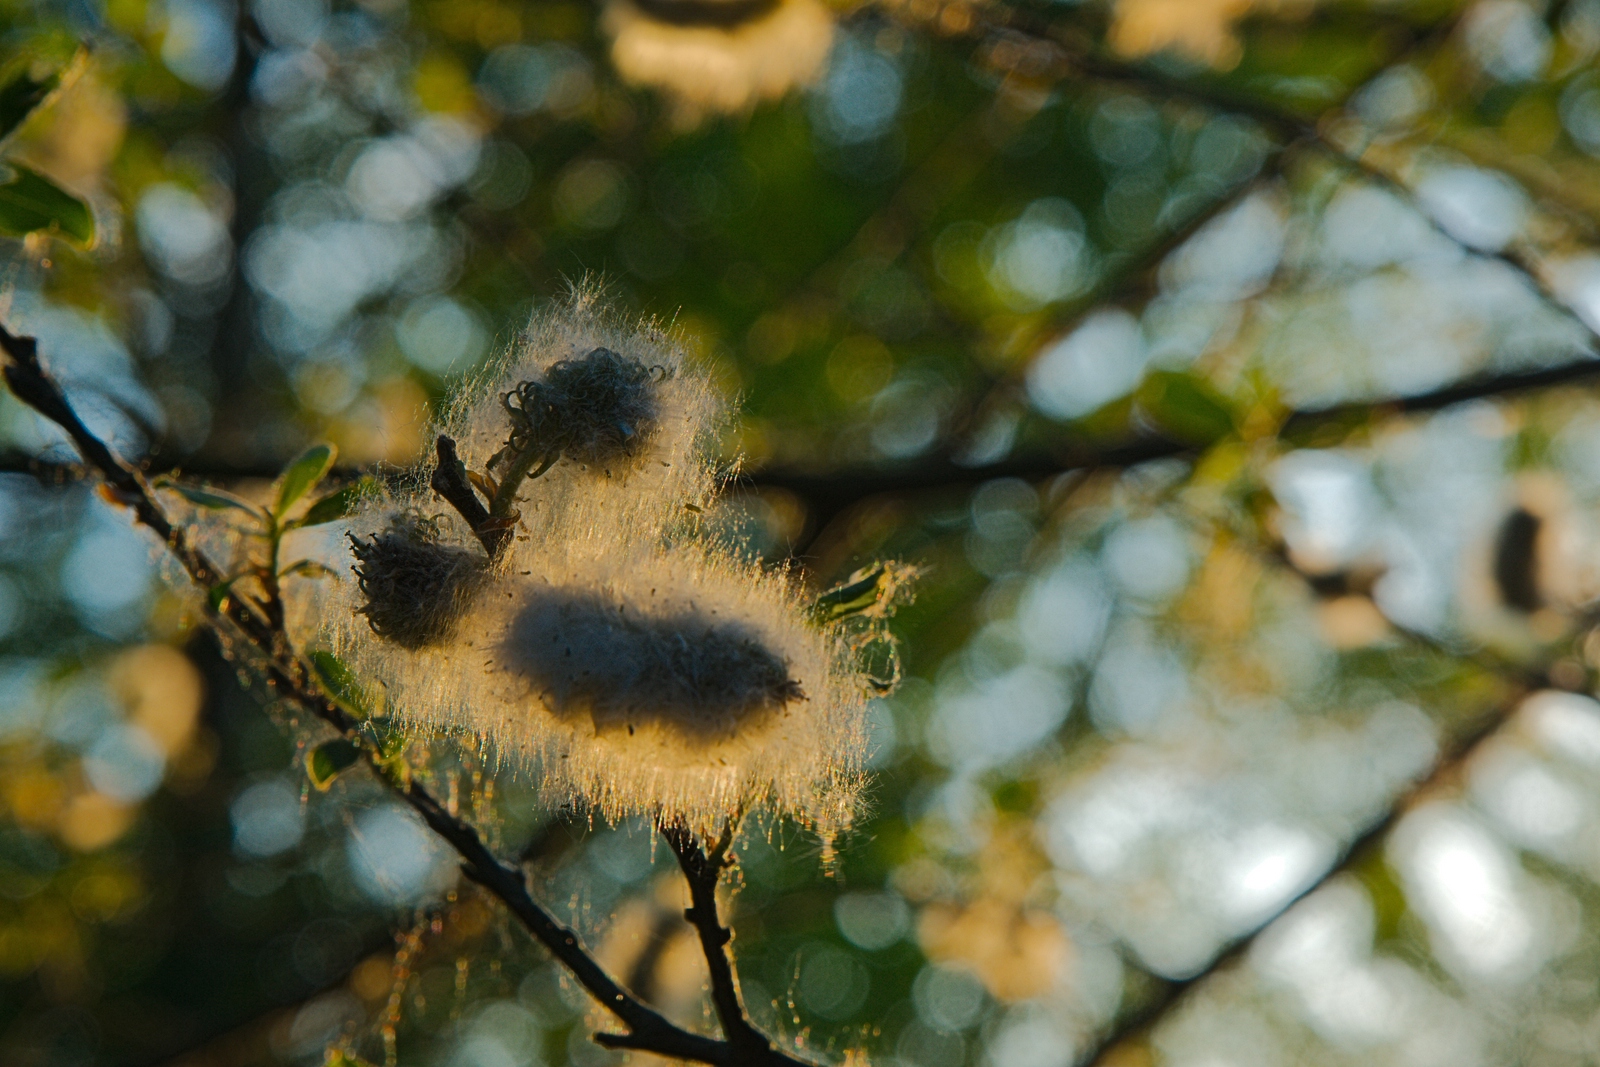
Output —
<point x="450" y="481"/>
<point x="703" y="870"/>
<point x="293" y="680"/>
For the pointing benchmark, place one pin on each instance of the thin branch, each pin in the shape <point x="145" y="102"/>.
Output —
<point x="834" y="492"/>
<point x="1137" y="1023"/>
<point x="293" y="680"/>
<point x="703" y="870"/>
<point x="1083" y="58"/>
<point x="450" y="481"/>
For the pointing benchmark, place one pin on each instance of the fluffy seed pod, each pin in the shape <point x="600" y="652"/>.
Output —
<point x="604" y="401"/>
<point x="596" y="409"/>
<point x="585" y="656"/>
<point x="627" y="660"/>
<point x="711" y="56"/>
<point x="415" y="588"/>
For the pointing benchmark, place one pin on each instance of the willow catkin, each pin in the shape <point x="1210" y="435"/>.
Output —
<point x="630" y="661"/>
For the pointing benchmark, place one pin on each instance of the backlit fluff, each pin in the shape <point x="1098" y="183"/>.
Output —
<point x="631" y="663"/>
<point x="649" y="484"/>
<point x="712" y="56"/>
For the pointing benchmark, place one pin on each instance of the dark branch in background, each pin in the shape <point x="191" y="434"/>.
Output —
<point x="292" y="680"/>
<point x="832" y="494"/>
<point x="1139" y="1022"/>
<point x="1142" y="1019"/>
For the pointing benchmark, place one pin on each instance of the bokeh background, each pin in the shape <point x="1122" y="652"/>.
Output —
<point x="1222" y="363"/>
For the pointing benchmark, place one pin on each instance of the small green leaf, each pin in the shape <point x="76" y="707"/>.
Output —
<point x="397" y="771"/>
<point x="212" y="499"/>
<point x="31" y="203"/>
<point x="302" y="476"/>
<point x="341" y="683"/>
<point x="1186" y="407"/>
<point x="390" y="738"/>
<point x="307" y="568"/>
<point x="218" y="594"/>
<point x="335" y="505"/>
<point x="853" y="598"/>
<point x="324" y="762"/>
<point x="20" y="96"/>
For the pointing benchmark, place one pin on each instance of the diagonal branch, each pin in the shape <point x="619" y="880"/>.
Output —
<point x="834" y="492"/>
<point x="293" y="680"/>
<point x="1138" y="1023"/>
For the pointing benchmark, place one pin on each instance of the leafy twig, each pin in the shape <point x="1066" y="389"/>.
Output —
<point x="292" y="679"/>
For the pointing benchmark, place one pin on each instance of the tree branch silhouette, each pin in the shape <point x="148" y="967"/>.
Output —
<point x="293" y="680"/>
<point x="1144" y="1018"/>
<point x="832" y="493"/>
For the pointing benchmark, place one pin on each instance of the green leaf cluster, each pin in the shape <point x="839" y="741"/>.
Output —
<point x="29" y="201"/>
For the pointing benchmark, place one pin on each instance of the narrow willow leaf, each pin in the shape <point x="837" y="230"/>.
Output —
<point x="853" y="598"/>
<point x="213" y="499"/>
<point x="20" y="96"/>
<point x="341" y="683"/>
<point x="1186" y="407"/>
<point x="324" y="762"/>
<point x="307" y="568"/>
<point x="302" y="476"/>
<point x="32" y="203"/>
<point x="335" y="505"/>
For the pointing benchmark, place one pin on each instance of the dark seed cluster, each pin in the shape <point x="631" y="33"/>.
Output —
<point x="596" y="409"/>
<point x="415" y="587"/>
<point x="702" y="676"/>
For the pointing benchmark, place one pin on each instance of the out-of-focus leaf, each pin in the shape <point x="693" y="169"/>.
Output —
<point x="1186" y="407"/>
<point x="341" y="1058"/>
<point x="324" y="762"/>
<point x="853" y="598"/>
<point x="392" y="742"/>
<point x="336" y="505"/>
<point x="212" y="499"/>
<point x="307" y="568"/>
<point x="21" y="95"/>
<point x="302" y="476"/>
<point x="389" y="737"/>
<point x="341" y="683"/>
<point x="32" y="203"/>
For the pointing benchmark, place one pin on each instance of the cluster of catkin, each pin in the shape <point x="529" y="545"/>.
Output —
<point x="631" y="661"/>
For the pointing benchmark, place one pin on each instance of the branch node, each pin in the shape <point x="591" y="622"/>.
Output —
<point x="451" y="481"/>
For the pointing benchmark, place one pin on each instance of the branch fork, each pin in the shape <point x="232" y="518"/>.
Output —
<point x="293" y="679"/>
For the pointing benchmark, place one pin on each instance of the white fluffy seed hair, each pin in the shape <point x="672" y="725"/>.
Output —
<point x="647" y="491"/>
<point x="632" y="664"/>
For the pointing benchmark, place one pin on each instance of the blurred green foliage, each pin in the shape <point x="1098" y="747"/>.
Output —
<point x="983" y="248"/>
